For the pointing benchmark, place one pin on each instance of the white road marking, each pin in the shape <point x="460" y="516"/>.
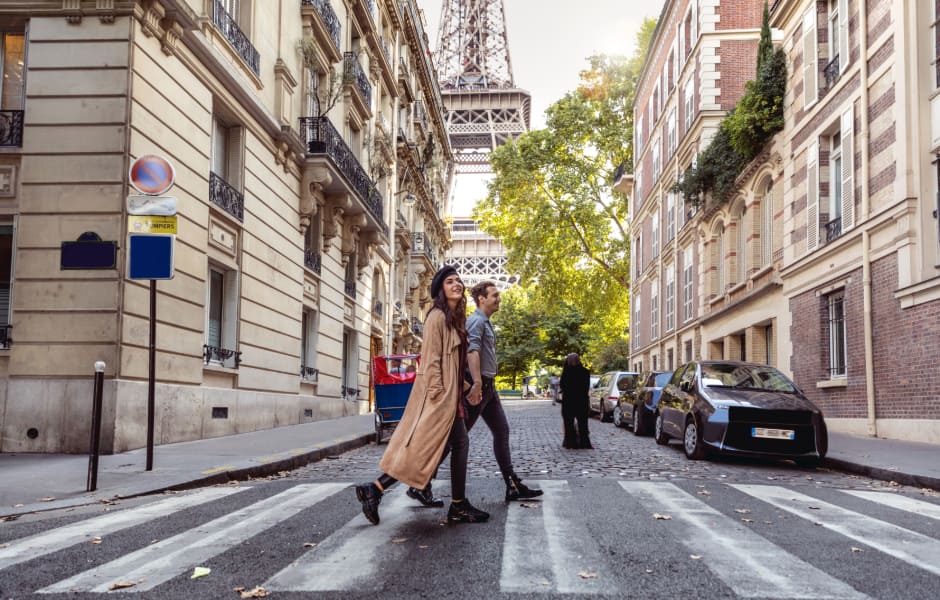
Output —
<point x="904" y="544"/>
<point x="54" y="540"/>
<point x="752" y="566"/>
<point x="545" y="551"/>
<point x="926" y="509"/>
<point x="160" y="562"/>
<point x="349" y="558"/>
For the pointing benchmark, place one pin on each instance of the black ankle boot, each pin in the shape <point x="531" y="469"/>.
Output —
<point x="464" y="512"/>
<point x="516" y="490"/>
<point x="425" y="496"/>
<point x="369" y="496"/>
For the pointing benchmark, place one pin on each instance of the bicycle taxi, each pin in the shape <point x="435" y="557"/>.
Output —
<point x="393" y="376"/>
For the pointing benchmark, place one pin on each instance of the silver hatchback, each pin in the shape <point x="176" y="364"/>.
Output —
<point x="607" y="391"/>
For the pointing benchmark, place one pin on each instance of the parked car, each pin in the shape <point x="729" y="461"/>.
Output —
<point x="637" y="409"/>
<point x="740" y="408"/>
<point x="607" y="391"/>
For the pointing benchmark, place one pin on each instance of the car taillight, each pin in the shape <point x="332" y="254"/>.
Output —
<point x="613" y="397"/>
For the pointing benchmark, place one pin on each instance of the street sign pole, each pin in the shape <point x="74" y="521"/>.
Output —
<point x="151" y="380"/>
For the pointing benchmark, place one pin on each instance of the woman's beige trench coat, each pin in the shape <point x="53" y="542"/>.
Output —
<point x="416" y="446"/>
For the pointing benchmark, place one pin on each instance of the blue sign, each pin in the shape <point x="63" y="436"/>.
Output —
<point x="89" y="252"/>
<point x="150" y="256"/>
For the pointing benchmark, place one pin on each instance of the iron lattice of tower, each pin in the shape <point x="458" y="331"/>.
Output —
<point x="485" y="109"/>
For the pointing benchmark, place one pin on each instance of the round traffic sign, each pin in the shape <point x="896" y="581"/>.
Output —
<point x="152" y="175"/>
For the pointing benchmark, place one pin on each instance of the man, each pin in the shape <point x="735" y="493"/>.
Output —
<point x="482" y="397"/>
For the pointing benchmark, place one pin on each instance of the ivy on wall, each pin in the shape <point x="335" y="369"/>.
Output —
<point x="744" y="132"/>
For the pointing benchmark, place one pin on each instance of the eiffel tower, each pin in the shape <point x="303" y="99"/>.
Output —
<point x="485" y="108"/>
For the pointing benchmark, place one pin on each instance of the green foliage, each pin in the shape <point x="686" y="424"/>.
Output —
<point x="562" y="331"/>
<point x="517" y="341"/>
<point x="746" y="130"/>
<point x="614" y="356"/>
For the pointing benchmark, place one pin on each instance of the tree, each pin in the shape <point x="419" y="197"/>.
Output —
<point x="517" y="339"/>
<point x="551" y="202"/>
<point x="562" y="332"/>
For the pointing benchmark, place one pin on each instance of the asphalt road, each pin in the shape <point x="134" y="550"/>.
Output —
<point x="725" y="529"/>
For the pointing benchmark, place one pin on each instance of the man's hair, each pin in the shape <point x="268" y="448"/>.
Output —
<point x="481" y="289"/>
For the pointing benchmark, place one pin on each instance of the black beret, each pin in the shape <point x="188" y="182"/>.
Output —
<point x="439" y="277"/>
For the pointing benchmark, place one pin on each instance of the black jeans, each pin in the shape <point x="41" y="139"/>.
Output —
<point x="491" y="410"/>
<point x="458" y="445"/>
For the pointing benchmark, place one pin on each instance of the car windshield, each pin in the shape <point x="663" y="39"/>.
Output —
<point x="662" y="379"/>
<point x="754" y="377"/>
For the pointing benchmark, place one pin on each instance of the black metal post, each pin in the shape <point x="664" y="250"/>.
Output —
<point x="151" y="377"/>
<point x="94" y="446"/>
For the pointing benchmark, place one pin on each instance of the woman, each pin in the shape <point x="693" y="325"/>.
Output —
<point x="575" y="381"/>
<point x="434" y="415"/>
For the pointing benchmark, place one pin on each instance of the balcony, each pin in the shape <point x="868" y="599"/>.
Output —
<point x="833" y="229"/>
<point x="378" y="309"/>
<point x="421" y="115"/>
<point x="347" y="175"/>
<point x="328" y="18"/>
<point x="11" y="128"/>
<point x="831" y="72"/>
<point x="313" y="260"/>
<point x="220" y="356"/>
<point x="226" y="197"/>
<point x="421" y="246"/>
<point x="309" y="373"/>
<point x="350" y="288"/>
<point x="233" y="33"/>
<point x="354" y="76"/>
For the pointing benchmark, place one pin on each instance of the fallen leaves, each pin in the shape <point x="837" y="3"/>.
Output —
<point x="9" y="518"/>
<point x="120" y="585"/>
<point x="399" y="540"/>
<point x="856" y="549"/>
<point x="257" y="592"/>
<point x="747" y="520"/>
<point x="96" y="539"/>
<point x="200" y="572"/>
<point x="530" y="505"/>
<point x="695" y="556"/>
<point x="310" y="545"/>
<point x="46" y="499"/>
<point x="660" y="517"/>
<point x="704" y="493"/>
<point x="587" y="575"/>
<point x="742" y="511"/>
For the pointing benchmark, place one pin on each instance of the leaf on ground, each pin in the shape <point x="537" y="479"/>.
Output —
<point x="660" y="517"/>
<point x="96" y="539"/>
<point x="530" y="505"/>
<point x="856" y="549"/>
<point x="817" y="524"/>
<point x="742" y="511"/>
<point x="310" y="545"/>
<point x="21" y="505"/>
<point x="813" y="507"/>
<point x="587" y="575"/>
<point x="649" y="570"/>
<point x="695" y="556"/>
<point x="704" y="493"/>
<point x="47" y="499"/>
<point x="120" y="585"/>
<point x="200" y="572"/>
<point x="257" y="592"/>
<point x="9" y="518"/>
<point x="399" y="540"/>
<point x="747" y="520"/>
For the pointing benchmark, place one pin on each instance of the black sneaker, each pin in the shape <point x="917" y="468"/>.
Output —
<point x="369" y="496"/>
<point x="516" y="490"/>
<point x="464" y="512"/>
<point x="425" y="497"/>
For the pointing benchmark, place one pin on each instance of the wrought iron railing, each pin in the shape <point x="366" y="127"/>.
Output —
<point x="421" y="114"/>
<point x="351" y="392"/>
<point x="233" y="33"/>
<point x="5" y="338"/>
<point x="378" y="308"/>
<point x="11" y="128"/>
<point x="385" y="49"/>
<point x="831" y="72"/>
<point x="350" y="288"/>
<point x="309" y="373"/>
<point x="422" y="245"/>
<point x="405" y="71"/>
<point x="226" y="197"/>
<point x="833" y="229"/>
<point x="313" y="260"/>
<point x="220" y="355"/>
<point x="354" y="72"/>
<point x="329" y="18"/>
<point x="322" y="138"/>
<point x="417" y="326"/>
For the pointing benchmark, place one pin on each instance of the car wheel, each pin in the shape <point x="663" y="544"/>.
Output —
<point x="661" y="437"/>
<point x="378" y="428"/>
<point x="692" y="440"/>
<point x="618" y="416"/>
<point x="606" y="417"/>
<point x="639" y="421"/>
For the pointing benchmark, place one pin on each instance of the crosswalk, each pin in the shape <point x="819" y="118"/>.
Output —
<point x="544" y="546"/>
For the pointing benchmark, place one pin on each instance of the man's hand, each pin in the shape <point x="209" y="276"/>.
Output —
<point x="475" y="395"/>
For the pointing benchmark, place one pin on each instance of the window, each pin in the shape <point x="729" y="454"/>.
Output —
<point x="313" y="259"/>
<point x="687" y="285"/>
<point x="638" y="253"/>
<point x="688" y="350"/>
<point x="766" y="225"/>
<point x="769" y="344"/>
<point x="12" y="64"/>
<point x="308" y="345"/>
<point x="671" y="134"/>
<point x="639" y="134"/>
<point x="654" y="310"/>
<point x="834" y="227"/>
<point x="810" y="58"/>
<point x="720" y="262"/>
<point x="670" y="297"/>
<point x="670" y="215"/>
<point x="221" y="318"/>
<point x="740" y="261"/>
<point x="671" y="71"/>
<point x="227" y="161"/>
<point x="351" y="276"/>
<point x="637" y="322"/>
<point x="6" y="283"/>
<point x="670" y="361"/>
<point x="349" y="375"/>
<point x="638" y="185"/>
<point x="655" y="234"/>
<point x="656" y="162"/>
<point x="655" y="362"/>
<point x="837" y="335"/>
<point x="689" y="104"/>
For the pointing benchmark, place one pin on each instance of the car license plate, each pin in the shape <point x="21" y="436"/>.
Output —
<point x="774" y="434"/>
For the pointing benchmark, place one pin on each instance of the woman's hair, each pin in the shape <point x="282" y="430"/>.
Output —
<point x="456" y="319"/>
<point x="572" y="359"/>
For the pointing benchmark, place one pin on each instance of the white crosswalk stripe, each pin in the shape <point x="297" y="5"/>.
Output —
<point x="746" y="562"/>
<point x="160" y="562"/>
<point x="348" y="558"/>
<point x="566" y="552"/>
<point x="900" y="502"/>
<point x="54" y="540"/>
<point x="911" y="547"/>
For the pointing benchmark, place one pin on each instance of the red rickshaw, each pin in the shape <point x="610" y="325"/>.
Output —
<point x="393" y="376"/>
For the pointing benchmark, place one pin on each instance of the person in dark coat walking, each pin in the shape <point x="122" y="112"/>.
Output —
<point x="575" y="406"/>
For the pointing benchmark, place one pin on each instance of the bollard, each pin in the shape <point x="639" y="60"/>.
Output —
<point x="94" y="445"/>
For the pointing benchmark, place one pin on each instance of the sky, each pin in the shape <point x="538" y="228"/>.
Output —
<point x="549" y="42"/>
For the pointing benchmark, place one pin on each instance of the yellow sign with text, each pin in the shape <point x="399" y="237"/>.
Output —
<point x="151" y="224"/>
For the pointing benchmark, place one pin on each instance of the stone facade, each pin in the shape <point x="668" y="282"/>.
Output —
<point x="312" y="168"/>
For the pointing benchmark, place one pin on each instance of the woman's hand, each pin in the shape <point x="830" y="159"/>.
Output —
<point x="475" y="394"/>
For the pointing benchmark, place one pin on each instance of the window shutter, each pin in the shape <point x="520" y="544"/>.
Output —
<point x="848" y="169"/>
<point x="843" y="35"/>
<point x="766" y="228"/>
<point x="236" y="157"/>
<point x="812" y="197"/>
<point x="810" y="58"/>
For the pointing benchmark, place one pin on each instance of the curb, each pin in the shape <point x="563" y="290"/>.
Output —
<point x="920" y="481"/>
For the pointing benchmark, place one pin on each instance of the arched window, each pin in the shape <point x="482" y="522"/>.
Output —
<point x="766" y="225"/>
<point x="740" y="250"/>
<point x="720" y="260"/>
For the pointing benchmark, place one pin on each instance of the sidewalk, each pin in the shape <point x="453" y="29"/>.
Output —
<point x="28" y="481"/>
<point x="37" y="482"/>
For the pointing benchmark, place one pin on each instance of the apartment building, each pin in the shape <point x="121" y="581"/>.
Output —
<point x="311" y="166"/>
<point x="826" y="260"/>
